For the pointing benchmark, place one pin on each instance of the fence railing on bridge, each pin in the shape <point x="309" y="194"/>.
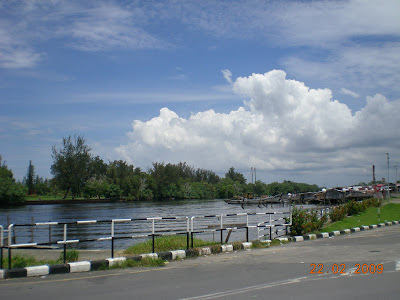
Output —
<point x="144" y="228"/>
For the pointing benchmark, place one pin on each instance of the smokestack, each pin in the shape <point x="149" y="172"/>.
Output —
<point x="373" y="174"/>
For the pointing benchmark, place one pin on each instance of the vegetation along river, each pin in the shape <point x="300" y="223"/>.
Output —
<point x="129" y="210"/>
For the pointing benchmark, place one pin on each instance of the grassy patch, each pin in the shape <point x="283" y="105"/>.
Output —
<point x="21" y="261"/>
<point x="389" y="212"/>
<point x="166" y="243"/>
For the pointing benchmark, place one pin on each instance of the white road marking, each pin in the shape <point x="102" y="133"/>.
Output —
<point x="349" y="272"/>
<point x="247" y="289"/>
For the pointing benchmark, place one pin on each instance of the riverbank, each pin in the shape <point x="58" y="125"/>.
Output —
<point x="72" y="201"/>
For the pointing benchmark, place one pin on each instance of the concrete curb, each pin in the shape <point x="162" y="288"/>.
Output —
<point x="323" y="235"/>
<point x="87" y="266"/>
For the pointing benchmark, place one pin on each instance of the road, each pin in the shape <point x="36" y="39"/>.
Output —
<point x="282" y="272"/>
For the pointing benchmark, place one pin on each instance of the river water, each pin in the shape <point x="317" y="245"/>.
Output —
<point x="129" y="210"/>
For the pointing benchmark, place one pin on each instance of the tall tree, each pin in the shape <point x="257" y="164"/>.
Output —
<point x="123" y="175"/>
<point x="235" y="176"/>
<point x="71" y="165"/>
<point x="11" y="192"/>
<point x="30" y="176"/>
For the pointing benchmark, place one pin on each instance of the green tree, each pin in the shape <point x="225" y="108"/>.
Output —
<point x="114" y="192"/>
<point x="11" y="192"/>
<point x="227" y="188"/>
<point x="41" y="186"/>
<point x="30" y="176"/>
<point x="71" y="165"/>
<point x="235" y="176"/>
<point x="97" y="168"/>
<point x="124" y="176"/>
<point x="96" y="187"/>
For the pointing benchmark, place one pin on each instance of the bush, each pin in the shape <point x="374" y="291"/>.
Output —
<point x="354" y="207"/>
<point x="338" y="213"/>
<point x="304" y="221"/>
<point x="372" y="202"/>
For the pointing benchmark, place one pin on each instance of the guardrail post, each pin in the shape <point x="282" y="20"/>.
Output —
<point x="270" y="228"/>
<point x="10" y="229"/>
<point x="192" y="233"/>
<point x="187" y="233"/>
<point x="153" y="237"/>
<point x="153" y="242"/>
<point x="49" y="234"/>
<point x="112" y="238"/>
<point x="222" y="234"/>
<point x="65" y="244"/>
<point x="247" y="228"/>
<point x="1" y="247"/>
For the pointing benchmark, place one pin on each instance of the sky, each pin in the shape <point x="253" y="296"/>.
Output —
<point x="306" y="91"/>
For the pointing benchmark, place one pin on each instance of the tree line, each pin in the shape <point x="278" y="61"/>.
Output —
<point x="77" y="173"/>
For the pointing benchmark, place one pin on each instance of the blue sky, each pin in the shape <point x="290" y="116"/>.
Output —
<point x="302" y="90"/>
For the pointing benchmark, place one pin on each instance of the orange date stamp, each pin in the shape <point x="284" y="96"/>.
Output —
<point x="343" y="269"/>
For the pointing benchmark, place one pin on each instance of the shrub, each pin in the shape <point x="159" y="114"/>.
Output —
<point x="354" y="207"/>
<point x="372" y="202"/>
<point x="338" y="213"/>
<point x="304" y="221"/>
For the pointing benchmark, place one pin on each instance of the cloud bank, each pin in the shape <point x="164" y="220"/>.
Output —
<point x="284" y="126"/>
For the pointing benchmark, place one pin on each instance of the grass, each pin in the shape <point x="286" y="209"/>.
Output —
<point x="20" y="261"/>
<point x="166" y="243"/>
<point x="389" y="212"/>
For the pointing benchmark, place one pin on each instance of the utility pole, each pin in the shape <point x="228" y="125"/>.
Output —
<point x="388" y="181"/>
<point x="395" y="180"/>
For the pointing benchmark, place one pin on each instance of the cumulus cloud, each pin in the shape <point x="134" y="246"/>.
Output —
<point x="283" y="125"/>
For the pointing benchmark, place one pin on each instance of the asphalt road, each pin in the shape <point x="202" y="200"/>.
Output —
<point x="282" y="272"/>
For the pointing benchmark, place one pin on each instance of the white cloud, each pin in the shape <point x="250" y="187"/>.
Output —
<point x="227" y="75"/>
<point x="85" y="26"/>
<point x="110" y="26"/>
<point x="284" y="125"/>
<point x="349" y="93"/>
<point x="369" y="67"/>
<point x="15" y="53"/>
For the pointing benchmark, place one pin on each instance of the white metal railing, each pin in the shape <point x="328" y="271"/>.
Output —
<point x="159" y="227"/>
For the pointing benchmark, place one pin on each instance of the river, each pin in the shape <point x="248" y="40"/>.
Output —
<point x="127" y="210"/>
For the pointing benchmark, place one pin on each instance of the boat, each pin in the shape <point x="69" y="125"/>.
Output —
<point x="241" y="200"/>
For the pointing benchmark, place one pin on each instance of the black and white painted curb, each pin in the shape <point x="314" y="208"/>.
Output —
<point x="322" y="235"/>
<point x="88" y="266"/>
